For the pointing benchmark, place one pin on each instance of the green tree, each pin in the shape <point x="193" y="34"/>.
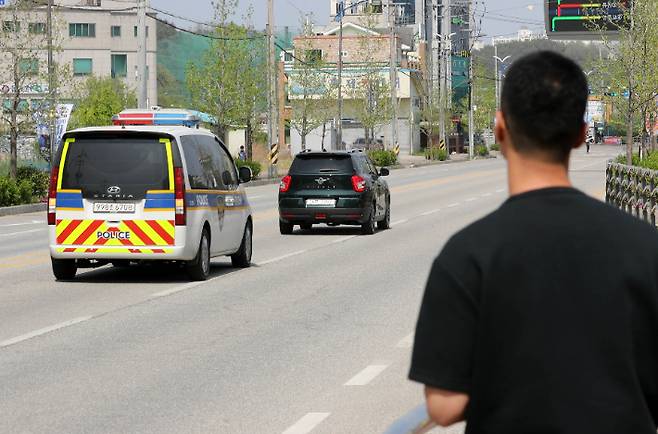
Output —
<point x="311" y="90"/>
<point x="484" y="98"/>
<point x="632" y="67"/>
<point x="229" y="81"/>
<point x="370" y="90"/>
<point x="100" y="99"/>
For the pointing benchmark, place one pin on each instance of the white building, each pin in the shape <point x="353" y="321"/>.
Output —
<point x="96" y="37"/>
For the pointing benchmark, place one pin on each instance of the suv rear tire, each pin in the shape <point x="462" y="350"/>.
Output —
<point x="385" y="223"/>
<point x="64" y="269"/>
<point x="285" y="228"/>
<point x="199" y="267"/>
<point x="368" y="228"/>
<point x="242" y="258"/>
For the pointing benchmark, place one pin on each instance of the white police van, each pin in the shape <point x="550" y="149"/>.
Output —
<point x="152" y="187"/>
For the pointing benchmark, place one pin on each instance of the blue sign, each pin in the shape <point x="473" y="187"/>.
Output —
<point x="2" y="2"/>
<point x="339" y="14"/>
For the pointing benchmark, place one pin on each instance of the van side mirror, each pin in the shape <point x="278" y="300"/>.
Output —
<point x="384" y="171"/>
<point x="245" y="174"/>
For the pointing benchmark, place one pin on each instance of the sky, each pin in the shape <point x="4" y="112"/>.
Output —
<point x="503" y="17"/>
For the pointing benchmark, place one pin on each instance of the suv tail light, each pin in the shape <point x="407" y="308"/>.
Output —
<point x="52" y="195"/>
<point x="284" y="186"/>
<point x="179" y="194"/>
<point x="358" y="184"/>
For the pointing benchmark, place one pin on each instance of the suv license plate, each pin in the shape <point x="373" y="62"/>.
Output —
<point x="114" y="208"/>
<point x="320" y="203"/>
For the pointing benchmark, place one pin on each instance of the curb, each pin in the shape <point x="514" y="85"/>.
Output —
<point x="22" y="209"/>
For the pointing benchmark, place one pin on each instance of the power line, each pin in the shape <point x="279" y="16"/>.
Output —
<point x="205" y="35"/>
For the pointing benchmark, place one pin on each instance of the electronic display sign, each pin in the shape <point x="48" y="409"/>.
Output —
<point x="569" y="19"/>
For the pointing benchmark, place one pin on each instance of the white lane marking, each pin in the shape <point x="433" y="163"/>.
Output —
<point x="500" y="190"/>
<point x="471" y="199"/>
<point x="23" y="232"/>
<point x="33" y="222"/>
<point x="180" y="288"/>
<point x="486" y="194"/>
<point x="253" y="197"/>
<point x="343" y="239"/>
<point x="307" y="423"/>
<point x="406" y="342"/>
<point x="282" y="257"/>
<point x="434" y="211"/>
<point x="43" y="331"/>
<point x="452" y="205"/>
<point x="399" y="222"/>
<point x="366" y="376"/>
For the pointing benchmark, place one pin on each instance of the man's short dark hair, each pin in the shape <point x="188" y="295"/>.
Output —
<point x="543" y="102"/>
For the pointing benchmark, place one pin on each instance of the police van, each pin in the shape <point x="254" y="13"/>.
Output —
<point x="153" y="187"/>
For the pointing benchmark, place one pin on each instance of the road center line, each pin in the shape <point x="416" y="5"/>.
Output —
<point x="452" y="205"/>
<point x="307" y="423"/>
<point x="406" y="342"/>
<point x="500" y="190"/>
<point x="366" y="376"/>
<point x="22" y="232"/>
<point x="399" y="222"/>
<point x="43" y="331"/>
<point x="33" y="222"/>
<point x="343" y="239"/>
<point x="486" y="194"/>
<point x="179" y="288"/>
<point x="471" y="199"/>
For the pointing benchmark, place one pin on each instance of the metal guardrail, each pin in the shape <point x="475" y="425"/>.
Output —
<point x="633" y="190"/>
<point x="417" y="421"/>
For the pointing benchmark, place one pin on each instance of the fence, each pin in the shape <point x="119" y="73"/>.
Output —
<point x="633" y="190"/>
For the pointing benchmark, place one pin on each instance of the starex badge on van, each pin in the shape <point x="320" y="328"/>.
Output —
<point x="115" y="189"/>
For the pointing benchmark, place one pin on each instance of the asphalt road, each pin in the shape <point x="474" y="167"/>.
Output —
<point x="315" y="337"/>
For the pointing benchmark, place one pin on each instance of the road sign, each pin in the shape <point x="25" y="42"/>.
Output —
<point x="2" y="2"/>
<point x="572" y="19"/>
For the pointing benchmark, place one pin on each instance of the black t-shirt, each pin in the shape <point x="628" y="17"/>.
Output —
<point x="546" y="313"/>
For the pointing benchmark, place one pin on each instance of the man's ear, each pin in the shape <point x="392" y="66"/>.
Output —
<point x="582" y="136"/>
<point x="501" y="133"/>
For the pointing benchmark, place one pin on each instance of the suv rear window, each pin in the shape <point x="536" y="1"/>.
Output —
<point x="133" y="164"/>
<point x="321" y="164"/>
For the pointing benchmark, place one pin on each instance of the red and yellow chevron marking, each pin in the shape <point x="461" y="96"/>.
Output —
<point x="112" y="250"/>
<point x="133" y="233"/>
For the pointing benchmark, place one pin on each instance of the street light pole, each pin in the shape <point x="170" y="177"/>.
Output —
<point x="51" y="83"/>
<point x="141" y="56"/>
<point x="498" y="86"/>
<point x="271" y="89"/>
<point x="394" y="76"/>
<point x="339" y="120"/>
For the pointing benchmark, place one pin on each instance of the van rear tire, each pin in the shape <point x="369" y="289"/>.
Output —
<point x="199" y="268"/>
<point x="64" y="269"/>
<point x="242" y="258"/>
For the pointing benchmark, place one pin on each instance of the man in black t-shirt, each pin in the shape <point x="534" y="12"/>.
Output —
<point x="543" y="316"/>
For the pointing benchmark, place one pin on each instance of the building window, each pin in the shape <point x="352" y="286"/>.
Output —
<point x="115" y="31"/>
<point x="288" y="57"/>
<point x="313" y="55"/>
<point x="37" y="28"/>
<point x="11" y="26"/>
<point x="82" y="66"/>
<point x="82" y="30"/>
<point x="29" y="66"/>
<point x="119" y="65"/>
<point x="135" y="31"/>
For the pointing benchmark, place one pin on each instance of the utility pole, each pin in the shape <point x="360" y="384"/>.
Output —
<point x="271" y="91"/>
<point x="471" y="123"/>
<point x="339" y="119"/>
<point x="393" y="74"/>
<point x="447" y="25"/>
<point x="142" y="78"/>
<point x="493" y="41"/>
<point x="51" y="83"/>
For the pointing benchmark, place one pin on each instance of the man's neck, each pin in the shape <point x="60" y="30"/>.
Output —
<point x="527" y="174"/>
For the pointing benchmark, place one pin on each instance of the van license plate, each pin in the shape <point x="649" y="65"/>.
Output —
<point x="114" y="208"/>
<point x="320" y="203"/>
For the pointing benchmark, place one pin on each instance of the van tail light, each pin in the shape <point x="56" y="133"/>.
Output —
<point x="52" y="195"/>
<point x="358" y="184"/>
<point x="284" y="186"/>
<point x="179" y="195"/>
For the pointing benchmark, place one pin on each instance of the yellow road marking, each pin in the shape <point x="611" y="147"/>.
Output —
<point x="25" y="260"/>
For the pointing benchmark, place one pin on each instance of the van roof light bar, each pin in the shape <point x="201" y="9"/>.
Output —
<point x="160" y="117"/>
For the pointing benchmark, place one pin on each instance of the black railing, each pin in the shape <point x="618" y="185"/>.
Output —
<point x="633" y="190"/>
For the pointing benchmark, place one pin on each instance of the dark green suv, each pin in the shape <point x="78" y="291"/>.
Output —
<point x="335" y="188"/>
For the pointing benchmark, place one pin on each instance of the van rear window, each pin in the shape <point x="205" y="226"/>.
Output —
<point x="135" y="165"/>
<point x="328" y="163"/>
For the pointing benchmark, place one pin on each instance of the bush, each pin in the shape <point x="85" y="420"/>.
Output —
<point x="649" y="162"/>
<point x="481" y="151"/>
<point x="495" y="147"/>
<point x="255" y="166"/>
<point x="38" y="179"/>
<point x="9" y="192"/>
<point x="383" y="158"/>
<point x="436" y="154"/>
